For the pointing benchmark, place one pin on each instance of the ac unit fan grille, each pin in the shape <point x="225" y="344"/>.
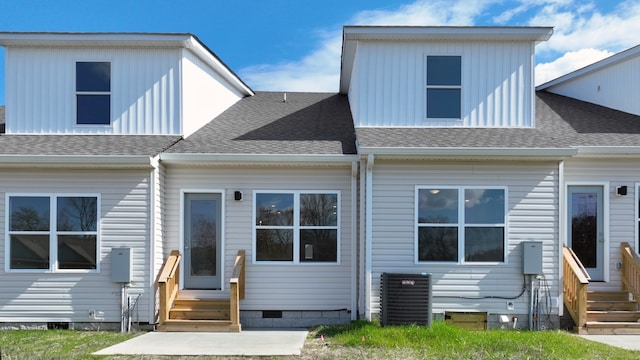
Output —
<point x="405" y="299"/>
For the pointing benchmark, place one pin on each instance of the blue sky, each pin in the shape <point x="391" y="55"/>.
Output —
<point x="294" y="45"/>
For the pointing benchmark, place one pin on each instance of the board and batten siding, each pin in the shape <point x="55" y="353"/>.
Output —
<point x="615" y="86"/>
<point x="388" y="84"/>
<point x="41" y="90"/>
<point x="205" y="94"/>
<point x="269" y="286"/>
<point x="621" y="213"/>
<point x="69" y="296"/>
<point x="532" y="189"/>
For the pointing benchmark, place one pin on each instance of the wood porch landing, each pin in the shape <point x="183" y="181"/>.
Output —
<point x="179" y="313"/>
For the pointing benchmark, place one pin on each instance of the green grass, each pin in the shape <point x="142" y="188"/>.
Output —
<point x="359" y="340"/>
<point x="56" y="344"/>
<point x="443" y="341"/>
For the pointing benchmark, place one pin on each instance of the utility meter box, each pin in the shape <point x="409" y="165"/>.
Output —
<point x="121" y="264"/>
<point x="532" y="257"/>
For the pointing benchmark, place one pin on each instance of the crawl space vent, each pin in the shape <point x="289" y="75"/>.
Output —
<point x="405" y="299"/>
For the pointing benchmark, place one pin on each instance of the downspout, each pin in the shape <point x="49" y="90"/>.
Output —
<point x="153" y="186"/>
<point x="562" y="234"/>
<point x="361" y="240"/>
<point x="368" y="233"/>
<point x="354" y="241"/>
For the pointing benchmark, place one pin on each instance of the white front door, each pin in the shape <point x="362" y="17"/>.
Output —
<point x="586" y="227"/>
<point x="202" y="240"/>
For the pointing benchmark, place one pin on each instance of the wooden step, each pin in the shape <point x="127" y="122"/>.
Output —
<point x="613" y="305"/>
<point x="198" y="326"/>
<point x="613" y="316"/>
<point x="607" y="296"/>
<point x="611" y="328"/>
<point x="200" y="309"/>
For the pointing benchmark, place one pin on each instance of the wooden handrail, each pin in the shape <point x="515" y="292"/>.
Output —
<point x="575" y="284"/>
<point x="236" y="290"/>
<point x="168" y="284"/>
<point x="630" y="271"/>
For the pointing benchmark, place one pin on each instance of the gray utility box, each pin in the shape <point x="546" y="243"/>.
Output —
<point x="532" y="258"/>
<point x="121" y="264"/>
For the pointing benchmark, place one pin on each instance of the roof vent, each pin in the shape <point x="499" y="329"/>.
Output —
<point x="405" y="299"/>
<point x="284" y="99"/>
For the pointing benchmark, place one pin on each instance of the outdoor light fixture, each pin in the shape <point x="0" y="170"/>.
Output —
<point x="621" y="190"/>
<point x="237" y="195"/>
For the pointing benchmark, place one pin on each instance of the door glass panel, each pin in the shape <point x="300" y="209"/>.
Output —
<point x="203" y="237"/>
<point x="584" y="229"/>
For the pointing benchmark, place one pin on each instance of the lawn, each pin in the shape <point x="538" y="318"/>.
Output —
<point x="360" y="340"/>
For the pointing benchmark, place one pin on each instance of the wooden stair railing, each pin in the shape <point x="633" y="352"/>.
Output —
<point x="575" y="284"/>
<point x="630" y="271"/>
<point x="168" y="284"/>
<point x="236" y="290"/>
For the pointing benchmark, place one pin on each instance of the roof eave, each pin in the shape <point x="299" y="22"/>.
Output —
<point x="471" y="153"/>
<point x="608" y="151"/>
<point x="77" y="161"/>
<point x="266" y="159"/>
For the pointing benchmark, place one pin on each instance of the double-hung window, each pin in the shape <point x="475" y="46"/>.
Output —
<point x="444" y="87"/>
<point x="93" y="93"/>
<point x="296" y="227"/>
<point x="51" y="233"/>
<point x="466" y="224"/>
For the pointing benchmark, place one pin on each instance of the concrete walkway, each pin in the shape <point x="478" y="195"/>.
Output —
<point x="629" y="342"/>
<point x="248" y="342"/>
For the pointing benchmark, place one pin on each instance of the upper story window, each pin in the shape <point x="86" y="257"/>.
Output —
<point x="297" y="227"/>
<point x="461" y="224"/>
<point x="444" y="87"/>
<point x="93" y="93"/>
<point x="51" y="233"/>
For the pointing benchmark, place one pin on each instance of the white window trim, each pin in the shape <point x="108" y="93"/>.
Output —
<point x="53" y="233"/>
<point x="76" y="93"/>
<point x="637" y="212"/>
<point x="297" y="227"/>
<point x="426" y="87"/>
<point x="461" y="225"/>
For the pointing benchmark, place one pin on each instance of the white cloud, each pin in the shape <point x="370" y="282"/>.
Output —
<point x="582" y="34"/>
<point x="571" y="61"/>
<point x="320" y="70"/>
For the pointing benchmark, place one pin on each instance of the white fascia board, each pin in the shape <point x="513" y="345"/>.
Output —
<point x="604" y="63"/>
<point x="608" y="151"/>
<point x="78" y="39"/>
<point x="472" y="152"/>
<point x="89" y="161"/>
<point x="172" y="158"/>
<point x="495" y="33"/>
<point x="206" y="55"/>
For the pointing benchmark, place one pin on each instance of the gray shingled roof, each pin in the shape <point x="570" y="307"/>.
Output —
<point x="561" y="122"/>
<point x="307" y="123"/>
<point x="79" y="145"/>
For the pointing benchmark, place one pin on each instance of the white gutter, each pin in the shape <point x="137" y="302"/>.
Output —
<point x="608" y="151"/>
<point x="471" y="152"/>
<point x="175" y="158"/>
<point x="127" y="161"/>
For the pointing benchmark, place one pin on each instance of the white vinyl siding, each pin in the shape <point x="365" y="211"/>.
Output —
<point x="615" y="86"/>
<point x="68" y="297"/>
<point x="41" y="90"/>
<point x="271" y="286"/>
<point x="205" y="93"/>
<point x="388" y="83"/>
<point x="620" y="215"/>
<point x="532" y="212"/>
